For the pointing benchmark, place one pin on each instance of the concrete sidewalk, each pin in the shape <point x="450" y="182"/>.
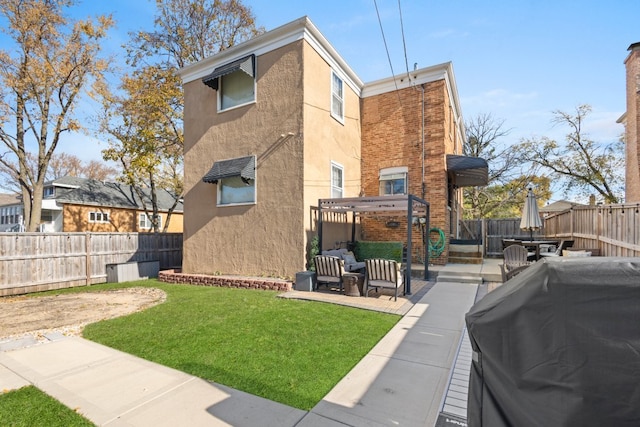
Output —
<point x="402" y="381"/>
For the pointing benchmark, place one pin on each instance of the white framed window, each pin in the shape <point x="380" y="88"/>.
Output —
<point x="144" y="221"/>
<point x="48" y="192"/>
<point x="98" y="217"/>
<point x="236" y="89"/>
<point x="235" y="190"/>
<point x="337" y="180"/>
<point x="337" y="97"/>
<point x="393" y="181"/>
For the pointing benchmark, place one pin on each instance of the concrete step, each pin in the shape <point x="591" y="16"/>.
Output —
<point x="492" y="277"/>
<point x="474" y="254"/>
<point x="464" y="260"/>
<point x="465" y="248"/>
<point x="458" y="278"/>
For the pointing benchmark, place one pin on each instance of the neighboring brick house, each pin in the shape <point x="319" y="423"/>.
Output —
<point x="631" y="121"/>
<point x="73" y="204"/>
<point x="274" y="124"/>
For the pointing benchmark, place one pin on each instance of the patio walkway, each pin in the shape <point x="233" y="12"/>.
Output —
<point x="382" y="301"/>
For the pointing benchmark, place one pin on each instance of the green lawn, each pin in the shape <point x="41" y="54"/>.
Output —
<point x="290" y="351"/>
<point x="29" y="407"/>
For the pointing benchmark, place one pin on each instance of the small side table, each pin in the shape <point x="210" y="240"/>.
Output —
<point x="353" y="283"/>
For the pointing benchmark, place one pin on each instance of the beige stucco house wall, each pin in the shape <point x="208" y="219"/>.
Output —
<point x="290" y="131"/>
<point x="297" y="143"/>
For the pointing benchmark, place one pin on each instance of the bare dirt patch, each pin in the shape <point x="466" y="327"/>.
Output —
<point x="69" y="313"/>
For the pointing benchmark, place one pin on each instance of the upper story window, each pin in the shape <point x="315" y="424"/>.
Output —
<point x="337" y="98"/>
<point x="236" y="180"/>
<point x="235" y="83"/>
<point x="144" y="221"/>
<point x="236" y="89"/>
<point x="393" y="181"/>
<point x="236" y="191"/>
<point x="98" y="217"/>
<point x="48" y="191"/>
<point x="337" y="180"/>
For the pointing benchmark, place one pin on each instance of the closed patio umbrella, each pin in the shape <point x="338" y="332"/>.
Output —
<point x="530" y="214"/>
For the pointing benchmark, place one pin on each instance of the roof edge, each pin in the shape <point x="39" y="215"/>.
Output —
<point x="299" y="29"/>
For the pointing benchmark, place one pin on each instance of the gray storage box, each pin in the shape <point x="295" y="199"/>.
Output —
<point x="130" y="271"/>
<point x="305" y="281"/>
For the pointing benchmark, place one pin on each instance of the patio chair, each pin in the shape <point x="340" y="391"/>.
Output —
<point x="564" y="244"/>
<point x="506" y="275"/>
<point x="329" y="270"/>
<point x="515" y="256"/>
<point x="383" y="273"/>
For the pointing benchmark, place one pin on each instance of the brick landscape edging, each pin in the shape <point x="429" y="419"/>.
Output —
<point x="268" y="284"/>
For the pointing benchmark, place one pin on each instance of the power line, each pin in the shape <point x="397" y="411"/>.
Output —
<point x="404" y="44"/>
<point x="375" y="3"/>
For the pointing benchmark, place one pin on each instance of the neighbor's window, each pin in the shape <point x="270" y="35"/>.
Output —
<point x="237" y="88"/>
<point x="48" y="192"/>
<point x="337" y="98"/>
<point x="144" y="221"/>
<point x="337" y="180"/>
<point x="393" y="181"/>
<point x="98" y="217"/>
<point x="236" y="191"/>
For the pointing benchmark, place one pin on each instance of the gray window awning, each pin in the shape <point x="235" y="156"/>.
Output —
<point x="244" y="167"/>
<point x="466" y="171"/>
<point x="246" y="64"/>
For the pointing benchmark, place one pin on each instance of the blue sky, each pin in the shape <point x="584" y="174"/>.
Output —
<point x="518" y="60"/>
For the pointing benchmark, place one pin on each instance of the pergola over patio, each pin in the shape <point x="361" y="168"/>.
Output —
<point x="412" y="206"/>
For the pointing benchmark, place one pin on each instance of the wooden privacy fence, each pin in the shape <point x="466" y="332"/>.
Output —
<point x="614" y="229"/>
<point x="492" y="231"/>
<point x="33" y="262"/>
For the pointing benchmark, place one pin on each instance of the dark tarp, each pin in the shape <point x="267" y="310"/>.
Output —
<point x="244" y="167"/>
<point x="558" y="345"/>
<point x="466" y="171"/>
<point x="245" y="64"/>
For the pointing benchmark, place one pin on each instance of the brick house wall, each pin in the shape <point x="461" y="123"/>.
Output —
<point x="392" y="137"/>
<point x="632" y="151"/>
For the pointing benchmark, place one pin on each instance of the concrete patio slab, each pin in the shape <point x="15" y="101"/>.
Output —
<point x="112" y="388"/>
<point x="9" y="380"/>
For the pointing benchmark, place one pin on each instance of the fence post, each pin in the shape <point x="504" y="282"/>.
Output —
<point x="87" y="250"/>
<point x="483" y="236"/>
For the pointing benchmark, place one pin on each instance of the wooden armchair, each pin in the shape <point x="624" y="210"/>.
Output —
<point x="329" y="270"/>
<point x="515" y="256"/>
<point x="383" y="273"/>
<point x="507" y="275"/>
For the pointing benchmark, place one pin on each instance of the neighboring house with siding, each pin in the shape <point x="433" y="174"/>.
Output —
<point x="274" y="124"/>
<point x="10" y="212"/>
<point x="73" y="204"/>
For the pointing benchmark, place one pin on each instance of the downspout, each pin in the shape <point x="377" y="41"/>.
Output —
<point x="424" y="187"/>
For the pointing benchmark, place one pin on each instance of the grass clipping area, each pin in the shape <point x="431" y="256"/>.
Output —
<point x="289" y="351"/>
<point x="28" y="407"/>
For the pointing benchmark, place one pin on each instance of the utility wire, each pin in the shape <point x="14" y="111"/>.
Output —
<point x="404" y="43"/>
<point x="375" y="3"/>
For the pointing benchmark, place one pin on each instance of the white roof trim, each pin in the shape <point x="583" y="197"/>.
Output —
<point x="300" y="29"/>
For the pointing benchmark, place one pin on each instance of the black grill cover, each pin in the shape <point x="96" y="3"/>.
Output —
<point x="558" y="345"/>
